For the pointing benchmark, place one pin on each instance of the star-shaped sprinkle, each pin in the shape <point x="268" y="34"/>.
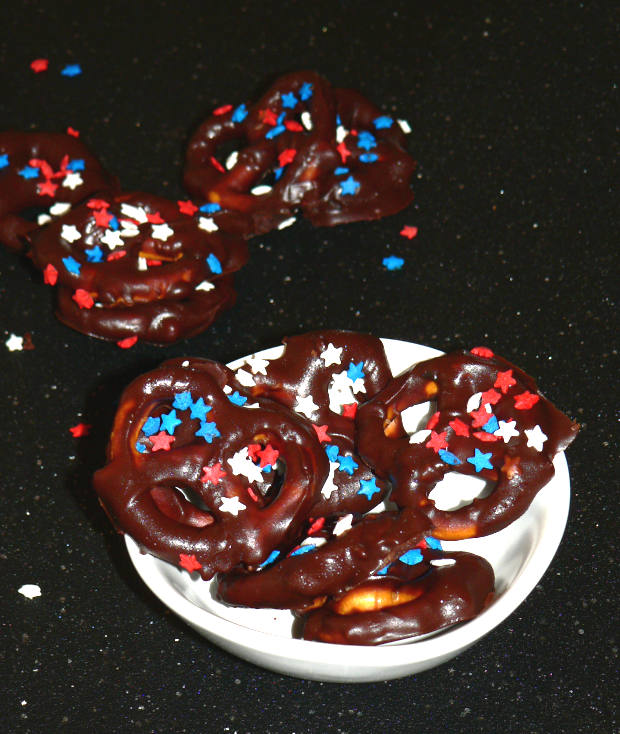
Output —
<point x="161" y="441"/>
<point x="15" y="343"/>
<point x="289" y="100"/>
<point x="112" y="239"/>
<point x="241" y="464"/>
<point x="151" y="425"/>
<point x="490" y="397"/>
<point x="480" y="416"/>
<point x="349" y="411"/>
<point x="355" y="371"/>
<point x="83" y="298"/>
<point x="331" y="355"/>
<point x="506" y="430"/>
<point x="332" y="452"/>
<point x="347" y="464"/>
<point x="29" y="172"/>
<point x="71" y="70"/>
<point x="208" y="430"/>
<point x="169" y="422"/>
<point x="411" y="557"/>
<point x="491" y="425"/>
<point x="102" y="217"/>
<point x="207" y="224"/>
<point x="343" y="151"/>
<point x="199" y="410"/>
<point x="39" y="65"/>
<point x="127" y="343"/>
<point x="257" y="365"/>
<point x="409" y="232"/>
<point x="321" y="432"/>
<point x="47" y="188"/>
<point x="383" y="122"/>
<point x="526" y="400"/>
<point x="504" y="381"/>
<point x="232" y="505"/>
<point x="245" y="378"/>
<point x="437" y="441"/>
<point x="460" y="428"/>
<point x="349" y="187"/>
<point x="366" y="140"/>
<point x="368" y="487"/>
<point x="189" y="562"/>
<point x="50" y="275"/>
<point x="79" y="430"/>
<point x="212" y="473"/>
<point x="480" y="460"/>
<point x="182" y="400"/>
<point x="287" y="156"/>
<point x="237" y="399"/>
<point x="161" y="232"/>
<point x="72" y="181"/>
<point x="94" y="254"/>
<point x="393" y="262"/>
<point x="369" y="157"/>
<point x="187" y="207"/>
<point x="306" y="406"/>
<point x="535" y="437"/>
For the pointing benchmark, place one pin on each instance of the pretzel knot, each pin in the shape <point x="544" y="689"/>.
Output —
<point x="487" y="419"/>
<point x="202" y="478"/>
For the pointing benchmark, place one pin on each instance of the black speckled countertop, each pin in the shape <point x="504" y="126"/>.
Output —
<point x="512" y="110"/>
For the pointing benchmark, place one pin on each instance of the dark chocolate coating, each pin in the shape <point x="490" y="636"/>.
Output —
<point x="342" y="563"/>
<point x="51" y="154"/>
<point x="447" y="595"/>
<point x="519" y="471"/>
<point x="146" y="491"/>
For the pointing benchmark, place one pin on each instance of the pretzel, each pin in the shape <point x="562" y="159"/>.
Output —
<point x="135" y="265"/>
<point x="489" y="420"/>
<point x="406" y="602"/>
<point x="305" y="579"/>
<point x="48" y="172"/>
<point x="200" y="480"/>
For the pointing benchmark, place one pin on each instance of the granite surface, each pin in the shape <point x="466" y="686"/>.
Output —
<point x="512" y="109"/>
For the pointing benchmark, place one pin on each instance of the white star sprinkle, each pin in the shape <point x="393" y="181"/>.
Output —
<point x="15" y="343"/>
<point x="232" y="505"/>
<point x="70" y="232"/>
<point x="134" y="212"/>
<point x="241" y="464"/>
<point x="343" y="524"/>
<point x="161" y="232"/>
<point x="535" y="437"/>
<point x="506" y="430"/>
<point x="205" y="286"/>
<point x="207" y="224"/>
<point x="112" y="239"/>
<point x="30" y="591"/>
<point x="72" y="180"/>
<point x="257" y="364"/>
<point x="331" y="355"/>
<point x="245" y="378"/>
<point x="306" y="406"/>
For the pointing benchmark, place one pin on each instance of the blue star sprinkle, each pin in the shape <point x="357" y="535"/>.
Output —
<point x="240" y="113"/>
<point x="208" y="430"/>
<point x="199" y="410"/>
<point x="366" y="140"/>
<point x="347" y="464"/>
<point x="480" y="460"/>
<point x="393" y="262"/>
<point x="94" y="254"/>
<point x="289" y="100"/>
<point x="214" y="264"/>
<point x="433" y="543"/>
<point x="29" y="172"/>
<point x="356" y="371"/>
<point x="72" y="265"/>
<point x="4" y="160"/>
<point x="448" y="457"/>
<point x="71" y="70"/>
<point x="368" y="487"/>
<point x="210" y="208"/>
<point x="411" y="557"/>
<point x="182" y="401"/>
<point x="169" y="422"/>
<point x="76" y="165"/>
<point x="151" y="426"/>
<point x="349" y="186"/>
<point x="369" y="157"/>
<point x="305" y="91"/>
<point x="237" y="399"/>
<point x="383" y="123"/>
<point x="491" y="425"/>
<point x="332" y="452"/>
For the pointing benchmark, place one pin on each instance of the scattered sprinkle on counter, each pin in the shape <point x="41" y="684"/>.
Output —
<point x="30" y="591"/>
<point x="392" y="262"/>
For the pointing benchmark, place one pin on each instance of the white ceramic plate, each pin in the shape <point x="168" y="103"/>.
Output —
<point x="519" y="554"/>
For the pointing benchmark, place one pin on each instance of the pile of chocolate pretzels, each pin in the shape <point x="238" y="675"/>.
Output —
<point x="303" y="482"/>
<point x="134" y="266"/>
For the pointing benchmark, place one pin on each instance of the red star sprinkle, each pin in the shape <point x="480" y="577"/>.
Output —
<point x="490" y="396"/>
<point x="83" y="298"/>
<point x="409" y="232"/>
<point x="223" y="109"/>
<point x="189" y="563"/>
<point x="73" y="132"/>
<point x="187" y="207"/>
<point x="505" y="381"/>
<point x="286" y="156"/>
<point x="526" y="400"/>
<point x="47" y="188"/>
<point x="482" y="352"/>
<point x="82" y="429"/>
<point x="50" y="275"/>
<point x="39" y="65"/>
<point x="460" y="428"/>
<point x="437" y="441"/>
<point x="127" y="343"/>
<point x="316" y="525"/>
<point x="155" y="218"/>
<point x="480" y="417"/>
<point x="102" y="218"/>
<point x="321" y="432"/>
<point x="268" y="456"/>
<point x="216" y="164"/>
<point x="212" y="473"/>
<point x="161" y="441"/>
<point x="484" y="436"/>
<point x="293" y="126"/>
<point x="349" y="411"/>
<point x="253" y="450"/>
<point x="433" y="421"/>
<point x="268" y="117"/>
<point x="344" y="152"/>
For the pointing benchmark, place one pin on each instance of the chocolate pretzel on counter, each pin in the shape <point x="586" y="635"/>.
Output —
<point x="488" y="420"/>
<point x="45" y="174"/>
<point x="135" y="265"/>
<point x="202" y="480"/>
